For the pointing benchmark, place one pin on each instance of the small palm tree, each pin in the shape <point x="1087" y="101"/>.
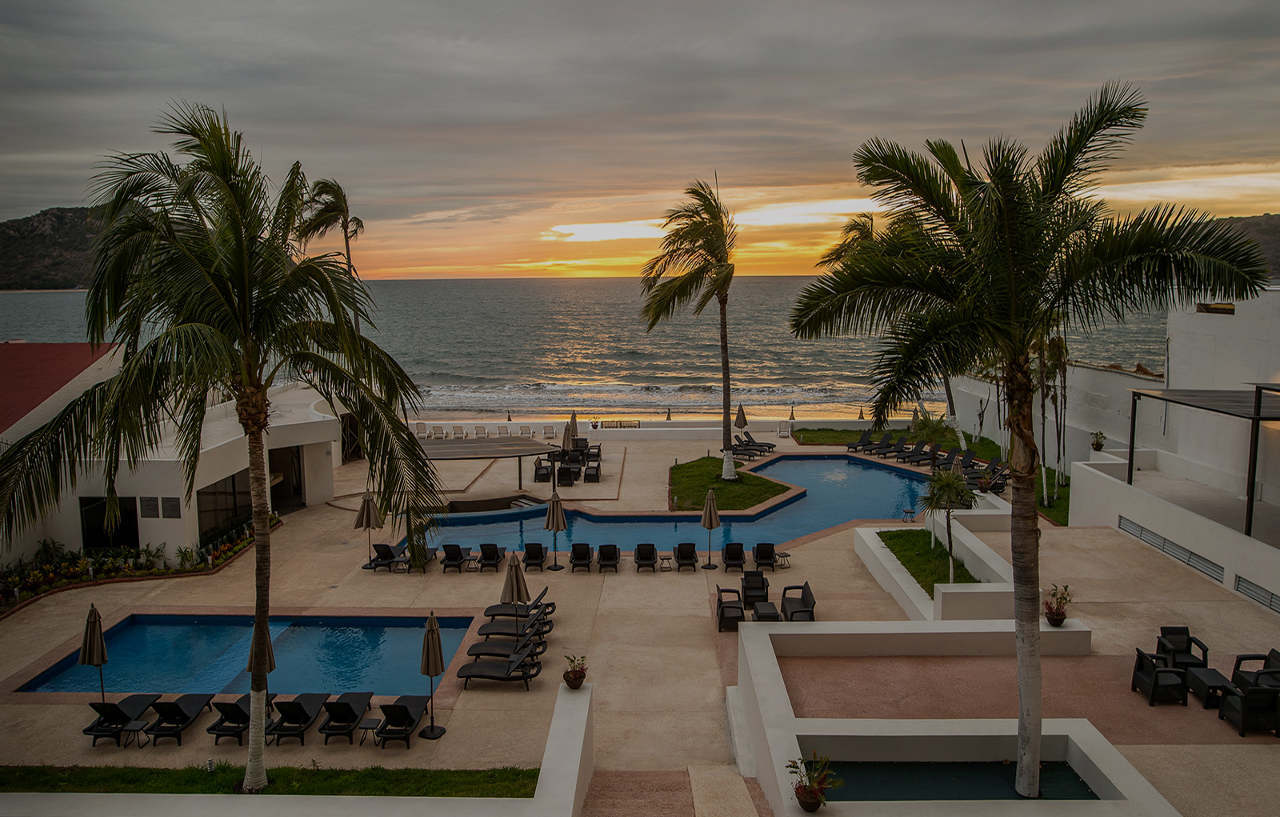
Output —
<point x="935" y="432"/>
<point x="695" y="264"/>
<point x="199" y="280"/>
<point x="947" y="492"/>
<point x="327" y="210"/>
<point x="982" y="261"/>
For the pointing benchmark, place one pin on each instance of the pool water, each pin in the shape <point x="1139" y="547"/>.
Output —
<point x="838" y="489"/>
<point x="976" y="780"/>
<point x="172" y="654"/>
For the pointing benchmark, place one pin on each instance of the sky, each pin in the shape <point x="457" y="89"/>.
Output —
<point x="534" y="138"/>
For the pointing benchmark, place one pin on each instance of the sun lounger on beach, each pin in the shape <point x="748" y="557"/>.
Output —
<point x="233" y="718"/>
<point x="343" y="716"/>
<point x="420" y="430"/>
<point x="295" y="717"/>
<point x="459" y="433"/>
<point x="525" y="431"/>
<point x="173" y="717"/>
<point x="482" y="433"/>
<point x="400" y="719"/>
<point x="437" y="433"/>
<point x="114" y="717"/>
<point x="502" y="431"/>
<point x="548" y="432"/>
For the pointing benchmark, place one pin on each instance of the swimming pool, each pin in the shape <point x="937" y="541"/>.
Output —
<point x="171" y="654"/>
<point x="838" y="489"/>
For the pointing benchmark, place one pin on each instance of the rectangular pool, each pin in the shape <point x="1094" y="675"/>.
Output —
<point x="171" y="654"/>
<point x="963" y="780"/>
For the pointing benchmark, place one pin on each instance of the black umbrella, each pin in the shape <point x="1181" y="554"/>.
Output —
<point x="432" y="665"/>
<point x="555" y="523"/>
<point x="93" y="648"/>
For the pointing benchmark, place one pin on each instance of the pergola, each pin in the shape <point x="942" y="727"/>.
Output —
<point x="1257" y="405"/>
<point x="488" y="449"/>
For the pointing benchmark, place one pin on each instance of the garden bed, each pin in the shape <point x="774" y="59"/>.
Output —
<point x="924" y="559"/>
<point x="689" y="482"/>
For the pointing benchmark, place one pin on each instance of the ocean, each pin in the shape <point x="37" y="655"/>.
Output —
<point x="539" y="347"/>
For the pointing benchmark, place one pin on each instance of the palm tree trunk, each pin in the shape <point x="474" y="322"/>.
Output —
<point x="1025" y="546"/>
<point x="1043" y="377"/>
<point x="726" y="434"/>
<point x="951" y="400"/>
<point x="255" y="773"/>
<point x="951" y="555"/>
<point x="351" y="270"/>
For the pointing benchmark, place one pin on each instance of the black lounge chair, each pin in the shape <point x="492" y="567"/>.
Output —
<point x="946" y="462"/>
<point x="233" y="718"/>
<point x="580" y="556"/>
<point x="343" y="716"/>
<point x="765" y="554"/>
<point x="389" y="557"/>
<point x="506" y="610"/>
<point x="1249" y="710"/>
<point x="594" y="453"/>
<point x="591" y="473"/>
<point x="1268" y="675"/>
<point x="541" y="470"/>
<point x="798" y="607"/>
<point x="1156" y="680"/>
<point x="400" y="719"/>
<point x="646" y="555"/>
<point x="608" y="558"/>
<point x="566" y="475"/>
<point x="173" y="717"/>
<point x="538" y="624"/>
<point x="729" y="609"/>
<point x="519" y="667"/>
<point x="114" y="717"/>
<point x="535" y="555"/>
<point x="455" y="556"/>
<point x="894" y="451"/>
<point x="755" y="587"/>
<point x="1176" y="645"/>
<point x="861" y="443"/>
<point x="966" y="460"/>
<point x="686" y="555"/>
<point x="491" y="556"/>
<point x="907" y="453"/>
<point x="295" y="717"/>
<point x="504" y="649"/>
<point x="886" y="443"/>
<point x="753" y="441"/>
<point x="922" y="456"/>
<point x="760" y="450"/>
<point x="733" y="556"/>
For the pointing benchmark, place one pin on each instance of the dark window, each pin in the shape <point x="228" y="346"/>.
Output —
<point x="93" y="524"/>
<point x="223" y="505"/>
<point x="284" y="471"/>
<point x="172" y="507"/>
<point x="149" y="507"/>
<point x="350" y="439"/>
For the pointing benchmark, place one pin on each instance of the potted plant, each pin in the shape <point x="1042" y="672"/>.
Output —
<point x="811" y="780"/>
<point x="1055" y="607"/>
<point x="984" y="483"/>
<point x="577" y="671"/>
<point x="1097" y="439"/>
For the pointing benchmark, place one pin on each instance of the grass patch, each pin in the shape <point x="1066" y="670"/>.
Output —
<point x="927" y="564"/>
<point x="508" y="782"/>
<point x="689" y="482"/>
<point x="1059" y="511"/>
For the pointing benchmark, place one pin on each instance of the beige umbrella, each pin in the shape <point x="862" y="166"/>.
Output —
<point x="368" y="518"/>
<point x="555" y="523"/>
<point x="741" y="420"/>
<point x="271" y="656"/>
<point x="572" y="427"/>
<point x="432" y="665"/>
<point x="93" y="648"/>
<point x="710" y="521"/>
<point x="793" y="412"/>
<point x="514" y="588"/>
<point x="566" y="445"/>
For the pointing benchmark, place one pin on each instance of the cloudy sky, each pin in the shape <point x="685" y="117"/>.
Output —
<point x="489" y="138"/>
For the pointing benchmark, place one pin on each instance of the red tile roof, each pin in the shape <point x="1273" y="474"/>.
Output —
<point x="32" y="372"/>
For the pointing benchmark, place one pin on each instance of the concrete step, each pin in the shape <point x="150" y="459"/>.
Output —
<point x="719" y="791"/>
<point x="639" y="794"/>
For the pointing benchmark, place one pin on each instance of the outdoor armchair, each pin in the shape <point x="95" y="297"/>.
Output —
<point x="686" y="555"/>
<point x="1250" y="710"/>
<point x="1266" y="675"/>
<point x="1156" y="680"/>
<point x="729" y="609"/>
<point x="798" y="602"/>
<point x="755" y="587"/>
<point x="1177" y="645"/>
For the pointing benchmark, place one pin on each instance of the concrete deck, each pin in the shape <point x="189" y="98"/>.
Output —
<point x="1212" y="503"/>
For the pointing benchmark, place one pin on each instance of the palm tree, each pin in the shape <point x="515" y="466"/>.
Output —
<point x="695" y="264"/>
<point x="947" y="491"/>
<point x="935" y="432"/>
<point x="199" y="280"/>
<point x="990" y="257"/>
<point x="327" y="210"/>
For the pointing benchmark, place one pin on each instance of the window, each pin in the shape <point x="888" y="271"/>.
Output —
<point x="93" y="524"/>
<point x="223" y="505"/>
<point x="171" y="507"/>
<point x="149" y="507"/>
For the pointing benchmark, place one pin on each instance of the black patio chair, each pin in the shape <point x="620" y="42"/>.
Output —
<point x="893" y="451"/>
<point x="400" y="719"/>
<point x="233" y="718"/>
<point x="506" y="610"/>
<point x="113" y="717"/>
<point x="946" y="462"/>
<point x="389" y="557"/>
<point x="755" y="587"/>
<point x="755" y="442"/>
<point x="296" y="717"/>
<point x="1267" y="675"/>
<point x="760" y="450"/>
<point x="537" y="625"/>
<point x="798" y="603"/>
<point x="733" y="556"/>
<point x="729" y="609"/>
<point x="1249" y="710"/>
<point x="907" y="453"/>
<point x="534" y="555"/>
<point x="455" y="556"/>
<point x="504" y="648"/>
<point x="580" y="556"/>
<point x="1176" y="645"/>
<point x="491" y="556"/>
<point x="519" y="668"/>
<point x="607" y="558"/>
<point x="646" y="555"/>
<point x="343" y="716"/>
<point x="686" y="555"/>
<point x="541" y="470"/>
<point x="1156" y="680"/>
<point x="861" y="443"/>
<point x="765" y="554"/>
<point x="173" y="717"/>
<point x="886" y="443"/>
<point x="565" y="476"/>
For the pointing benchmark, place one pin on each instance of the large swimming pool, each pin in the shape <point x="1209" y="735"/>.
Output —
<point x="838" y="489"/>
<point x="172" y="654"/>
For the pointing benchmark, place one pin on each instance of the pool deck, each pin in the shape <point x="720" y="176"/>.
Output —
<point x="658" y="665"/>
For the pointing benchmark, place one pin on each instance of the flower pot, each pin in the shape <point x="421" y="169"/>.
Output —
<point x="808" y="799"/>
<point x="1055" y="617"/>
<point x="1096" y="446"/>
<point x="573" y="678"/>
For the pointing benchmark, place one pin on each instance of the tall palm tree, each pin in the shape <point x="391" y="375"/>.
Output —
<point x="327" y="210"/>
<point x="947" y="491"/>
<point x="695" y="264"/>
<point x="199" y="280"/>
<point x="991" y="257"/>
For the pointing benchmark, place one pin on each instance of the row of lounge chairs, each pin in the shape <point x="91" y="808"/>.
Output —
<point x="1249" y="700"/>
<point x="992" y="475"/>
<point x="581" y="556"/>
<point x="289" y="719"/>
<point x="514" y="638"/>
<point x="479" y="433"/>
<point x="750" y="448"/>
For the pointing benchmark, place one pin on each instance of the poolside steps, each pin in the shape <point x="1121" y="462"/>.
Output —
<point x="630" y="794"/>
<point x="526" y="503"/>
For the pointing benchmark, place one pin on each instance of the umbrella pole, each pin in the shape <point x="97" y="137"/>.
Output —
<point x="709" y="565"/>
<point x="102" y="688"/>
<point x="555" y="553"/>
<point x="432" y="732"/>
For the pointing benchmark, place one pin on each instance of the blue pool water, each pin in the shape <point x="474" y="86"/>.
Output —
<point x="171" y="654"/>
<point x="838" y="489"/>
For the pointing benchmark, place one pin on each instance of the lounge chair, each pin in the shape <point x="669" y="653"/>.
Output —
<point x="519" y="667"/>
<point x="541" y="470"/>
<point x="1252" y="709"/>
<point x="733" y="556"/>
<point x="946" y="462"/>
<point x="296" y="717"/>
<point x="886" y="443"/>
<point x="400" y="719"/>
<point x="114" y="717"/>
<point x="907" y="453"/>
<point x="646" y="555"/>
<point x="507" y="610"/>
<point x="455" y="557"/>
<point x="525" y="431"/>
<point x="233" y="718"/>
<point x="756" y="447"/>
<point x="743" y="452"/>
<point x="753" y="441"/>
<point x="389" y="557"/>
<point x="504" y="649"/>
<point x="1267" y="675"/>
<point x="537" y="624"/>
<point x="798" y="603"/>
<point x="893" y="451"/>
<point x="591" y="473"/>
<point x="729" y="609"/>
<point x="755" y="587"/>
<point x="343" y="716"/>
<point x="1156" y="680"/>
<point x="534" y="555"/>
<point x="580" y="556"/>
<point x="765" y="554"/>
<point x="966" y="460"/>
<point x="502" y="431"/>
<point x="686" y="555"/>
<point x="482" y="433"/>
<point x="459" y="433"/>
<point x="1176" y="645"/>
<point x="861" y="443"/>
<point x="491" y="556"/>
<point x="173" y="717"/>
<point x="548" y="432"/>
<point x="420" y="430"/>
<point x="608" y="558"/>
<point x="923" y="454"/>
<point x="437" y="433"/>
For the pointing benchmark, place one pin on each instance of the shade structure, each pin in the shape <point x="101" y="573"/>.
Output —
<point x="555" y="522"/>
<point x="792" y="417"/>
<point x="93" y="647"/>
<point x="572" y="427"/>
<point x="514" y="588"/>
<point x="566" y="444"/>
<point x="368" y="517"/>
<point x="741" y="420"/>
<point x="710" y="521"/>
<point x="432" y="665"/>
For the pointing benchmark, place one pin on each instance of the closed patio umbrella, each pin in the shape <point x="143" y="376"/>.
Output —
<point x="368" y="518"/>
<point x="566" y="445"/>
<point x="793" y="413"/>
<point x="432" y="665"/>
<point x="741" y="420"/>
<point x="514" y="588"/>
<point x="710" y="521"/>
<point x="572" y="427"/>
<point x="93" y="648"/>
<point x="555" y="523"/>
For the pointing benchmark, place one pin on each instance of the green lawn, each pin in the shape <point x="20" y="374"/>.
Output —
<point x="284" y="780"/>
<point x="927" y="565"/>
<point x="689" y="482"/>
